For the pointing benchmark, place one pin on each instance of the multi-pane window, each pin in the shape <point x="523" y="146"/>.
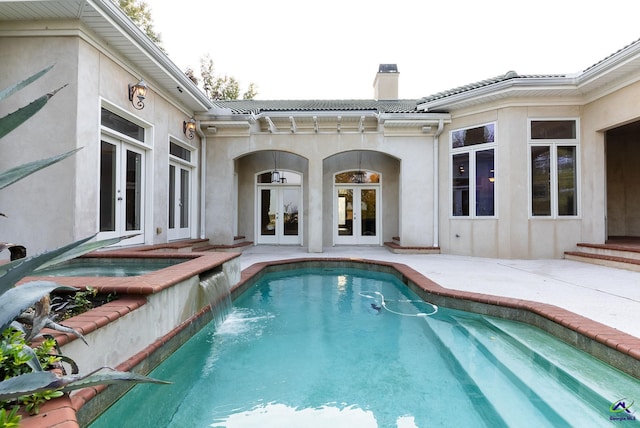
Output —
<point x="473" y="171"/>
<point x="554" y="169"/>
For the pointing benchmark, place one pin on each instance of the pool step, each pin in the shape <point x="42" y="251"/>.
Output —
<point x="597" y="382"/>
<point x="508" y="374"/>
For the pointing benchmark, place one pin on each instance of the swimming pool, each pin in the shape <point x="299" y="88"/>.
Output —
<point x="316" y="347"/>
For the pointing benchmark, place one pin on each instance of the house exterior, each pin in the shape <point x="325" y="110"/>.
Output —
<point x="516" y="166"/>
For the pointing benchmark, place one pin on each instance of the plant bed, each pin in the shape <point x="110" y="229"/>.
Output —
<point x="65" y="305"/>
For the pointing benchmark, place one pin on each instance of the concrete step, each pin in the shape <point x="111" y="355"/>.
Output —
<point x="618" y="262"/>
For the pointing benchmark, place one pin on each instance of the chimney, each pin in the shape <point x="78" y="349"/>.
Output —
<point x="385" y="86"/>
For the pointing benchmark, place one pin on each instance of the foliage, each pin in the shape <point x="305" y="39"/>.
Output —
<point x="140" y="13"/>
<point x="221" y="87"/>
<point x="216" y="87"/>
<point x="25" y="310"/>
<point x="10" y="418"/>
<point x="69" y="305"/>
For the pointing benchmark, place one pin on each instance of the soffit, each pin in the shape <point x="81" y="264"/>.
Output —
<point x="117" y="31"/>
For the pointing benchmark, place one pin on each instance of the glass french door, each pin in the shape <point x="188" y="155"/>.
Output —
<point x="278" y="221"/>
<point x="179" y="201"/>
<point x="356" y="215"/>
<point x="121" y="191"/>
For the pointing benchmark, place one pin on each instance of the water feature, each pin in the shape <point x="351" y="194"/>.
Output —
<point x="346" y="348"/>
<point x="217" y="292"/>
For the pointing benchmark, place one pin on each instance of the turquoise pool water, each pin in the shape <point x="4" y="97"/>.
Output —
<point x="317" y="348"/>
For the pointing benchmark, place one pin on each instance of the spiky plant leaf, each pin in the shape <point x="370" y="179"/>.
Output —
<point x="26" y="267"/>
<point x="14" y="174"/>
<point x="11" y="121"/>
<point x="82" y="249"/>
<point x="5" y="93"/>
<point x="106" y="376"/>
<point x="31" y="383"/>
<point x="17" y="299"/>
<point x="28" y="383"/>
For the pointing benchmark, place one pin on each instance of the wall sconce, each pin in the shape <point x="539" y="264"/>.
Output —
<point x="138" y="90"/>
<point x="189" y="128"/>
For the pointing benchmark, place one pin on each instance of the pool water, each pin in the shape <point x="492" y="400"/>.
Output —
<point x="110" y="267"/>
<point x="320" y="348"/>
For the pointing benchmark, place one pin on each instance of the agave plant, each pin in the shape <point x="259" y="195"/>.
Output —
<point x="37" y="382"/>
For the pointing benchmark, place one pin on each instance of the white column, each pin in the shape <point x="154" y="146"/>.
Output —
<point x="314" y="219"/>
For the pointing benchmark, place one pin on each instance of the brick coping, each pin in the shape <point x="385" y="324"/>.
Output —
<point x="62" y="412"/>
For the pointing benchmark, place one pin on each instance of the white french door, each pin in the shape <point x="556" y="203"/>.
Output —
<point x="122" y="190"/>
<point x="179" y="201"/>
<point x="277" y="214"/>
<point x="356" y="214"/>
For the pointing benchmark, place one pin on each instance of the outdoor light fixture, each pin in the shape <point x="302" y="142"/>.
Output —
<point x="139" y="90"/>
<point x="359" y="175"/>
<point x="275" y="175"/>
<point x="189" y="128"/>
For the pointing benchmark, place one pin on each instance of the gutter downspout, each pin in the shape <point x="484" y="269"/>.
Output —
<point x="203" y="175"/>
<point x="436" y="185"/>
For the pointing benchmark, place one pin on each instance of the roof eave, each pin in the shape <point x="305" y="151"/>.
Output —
<point x="502" y="89"/>
<point x="114" y="13"/>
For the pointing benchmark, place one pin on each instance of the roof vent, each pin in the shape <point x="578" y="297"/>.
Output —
<point x="511" y="75"/>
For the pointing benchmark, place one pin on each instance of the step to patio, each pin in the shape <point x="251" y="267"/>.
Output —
<point x="611" y="255"/>
<point x="395" y="247"/>
<point x="239" y="244"/>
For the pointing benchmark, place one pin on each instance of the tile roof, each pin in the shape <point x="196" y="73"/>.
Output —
<point x="262" y="106"/>
<point x="487" y="82"/>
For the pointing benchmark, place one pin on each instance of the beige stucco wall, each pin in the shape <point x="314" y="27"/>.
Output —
<point x="40" y="208"/>
<point x="619" y="108"/>
<point x="512" y="233"/>
<point x="405" y="163"/>
<point x="59" y="204"/>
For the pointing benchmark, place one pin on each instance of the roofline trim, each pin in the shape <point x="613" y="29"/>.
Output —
<point x="120" y="20"/>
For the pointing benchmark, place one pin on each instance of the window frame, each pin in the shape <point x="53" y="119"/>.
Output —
<point x="553" y="144"/>
<point x="471" y="151"/>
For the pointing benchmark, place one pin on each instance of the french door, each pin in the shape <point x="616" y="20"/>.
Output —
<point x="122" y="188"/>
<point x="179" y="201"/>
<point x="277" y="215"/>
<point x="356" y="215"/>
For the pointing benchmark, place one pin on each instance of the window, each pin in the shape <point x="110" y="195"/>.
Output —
<point x="181" y="200"/>
<point x="473" y="171"/>
<point x="553" y="150"/>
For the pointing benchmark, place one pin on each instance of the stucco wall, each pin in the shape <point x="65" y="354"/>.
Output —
<point x="40" y="208"/>
<point x="512" y="233"/>
<point x="406" y="165"/>
<point x="618" y="108"/>
<point x="59" y="204"/>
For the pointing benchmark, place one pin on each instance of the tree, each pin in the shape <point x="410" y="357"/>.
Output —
<point x="140" y="14"/>
<point x="216" y="87"/>
<point x="221" y="87"/>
